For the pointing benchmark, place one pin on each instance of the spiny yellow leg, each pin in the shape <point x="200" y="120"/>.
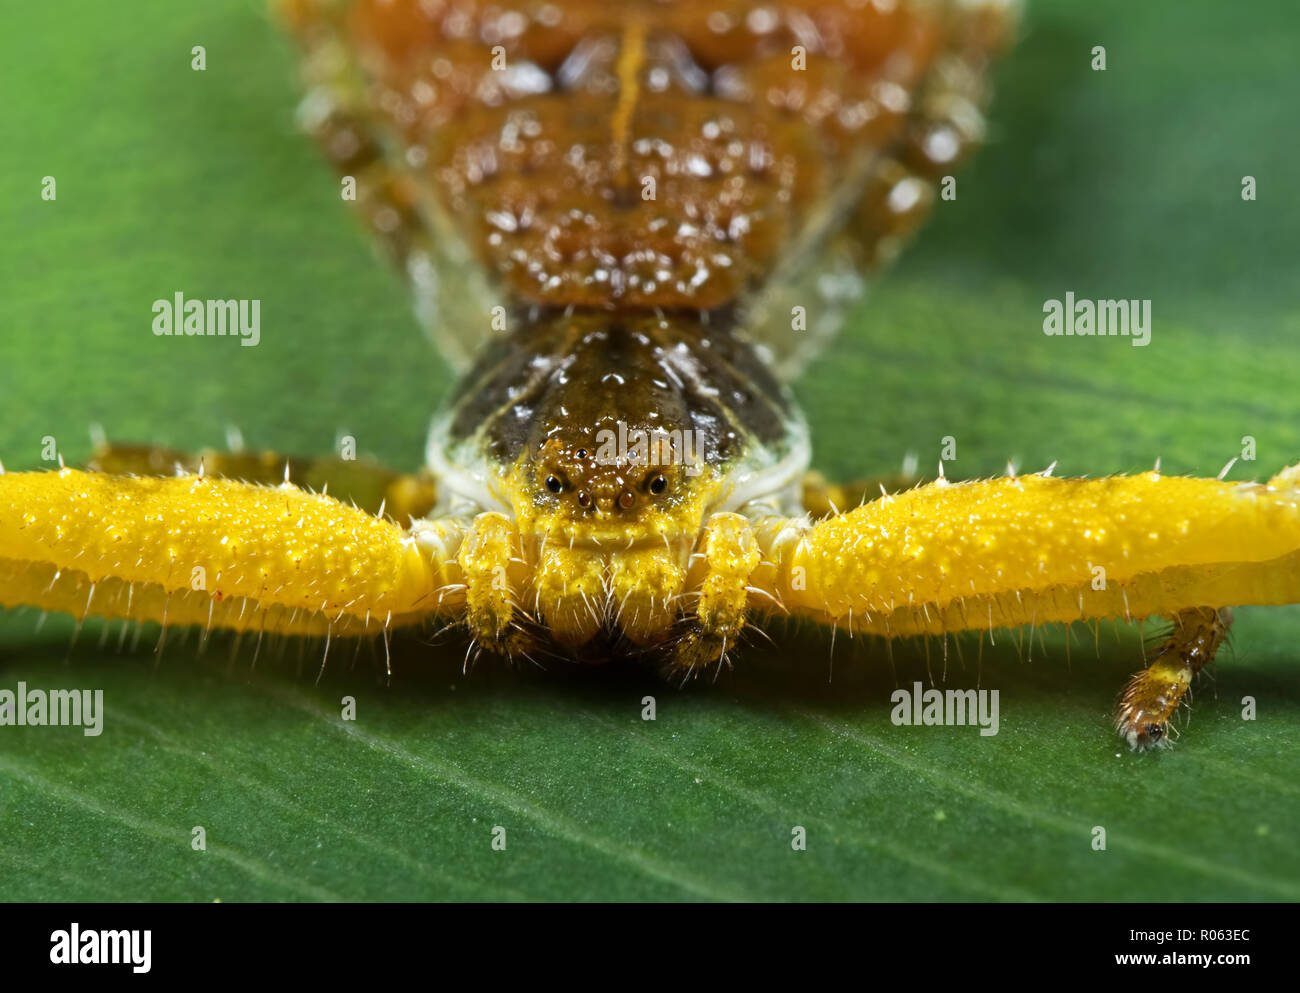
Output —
<point x="212" y="552"/>
<point x="1007" y="552"/>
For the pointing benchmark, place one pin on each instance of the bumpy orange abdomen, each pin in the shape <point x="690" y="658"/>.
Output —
<point x="660" y="154"/>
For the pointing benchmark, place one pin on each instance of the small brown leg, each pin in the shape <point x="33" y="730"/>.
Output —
<point x="822" y="498"/>
<point x="1153" y="695"/>
<point x="367" y="484"/>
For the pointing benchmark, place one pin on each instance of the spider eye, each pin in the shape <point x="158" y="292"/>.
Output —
<point x="553" y="484"/>
<point x="658" y="485"/>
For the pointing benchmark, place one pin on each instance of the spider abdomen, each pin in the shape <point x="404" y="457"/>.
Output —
<point x="642" y="156"/>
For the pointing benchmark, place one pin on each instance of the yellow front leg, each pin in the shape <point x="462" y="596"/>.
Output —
<point x="196" y="550"/>
<point x="1007" y="552"/>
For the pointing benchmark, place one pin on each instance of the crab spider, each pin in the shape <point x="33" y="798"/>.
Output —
<point x="937" y="558"/>
<point x="632" y="222"/>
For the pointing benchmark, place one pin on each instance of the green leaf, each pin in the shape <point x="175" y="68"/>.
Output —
<point x="1123" y="183"/>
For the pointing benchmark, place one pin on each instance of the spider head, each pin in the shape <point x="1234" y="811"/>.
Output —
<point x="599" y="429"/>
<point x="613" y="474"/>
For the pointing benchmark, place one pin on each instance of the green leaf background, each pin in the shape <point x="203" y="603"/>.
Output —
<point x="1123" y="183"/>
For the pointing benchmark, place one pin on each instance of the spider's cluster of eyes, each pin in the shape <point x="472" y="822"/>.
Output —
<point x="620" y="466"/>
<point x="654" y="483"/>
